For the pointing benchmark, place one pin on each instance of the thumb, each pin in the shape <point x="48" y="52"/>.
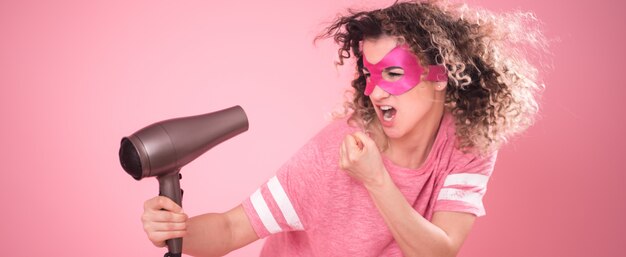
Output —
<point x="363" y="139"/>
<point x="164" y="202"/>
<point x="356" y="141"/>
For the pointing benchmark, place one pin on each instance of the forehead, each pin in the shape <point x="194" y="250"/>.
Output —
<point x="375" y="49"/>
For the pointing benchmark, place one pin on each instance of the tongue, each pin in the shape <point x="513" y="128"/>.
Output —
<point x="388" y="115"/>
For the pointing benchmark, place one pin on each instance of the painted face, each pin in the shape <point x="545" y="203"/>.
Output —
<point x="384" y="75"/>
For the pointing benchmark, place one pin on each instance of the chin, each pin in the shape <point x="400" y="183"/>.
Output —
<point x="393" y="132"/>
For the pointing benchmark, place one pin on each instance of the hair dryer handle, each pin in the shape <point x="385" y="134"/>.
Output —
<point x="169" y="186"/>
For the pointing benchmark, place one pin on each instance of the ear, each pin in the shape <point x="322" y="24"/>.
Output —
<point x="440" y="85"/>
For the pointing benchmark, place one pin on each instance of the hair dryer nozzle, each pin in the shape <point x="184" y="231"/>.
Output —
<point x="129" y="158"/>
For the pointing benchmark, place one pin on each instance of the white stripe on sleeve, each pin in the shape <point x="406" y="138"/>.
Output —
<point x="466" y="179"/>
<point x="264" y="212"/>
<point x="473" y="198"/>
<point x="284" y="204"/>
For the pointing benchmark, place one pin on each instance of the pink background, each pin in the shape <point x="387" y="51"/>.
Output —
<point x="77" y="76"/>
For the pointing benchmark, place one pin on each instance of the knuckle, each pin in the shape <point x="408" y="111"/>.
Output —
<point x="146" y="216"/>
<point x="157" y="241"/>
<point x="168" y="216"/>
<point x="180" y="233"/>
<point x="153" y="238"/>
<point x="148" y="203"/>
<point x="161" y="201"/>
<point x="180" y="218"/>
<point x="146" y="227"/>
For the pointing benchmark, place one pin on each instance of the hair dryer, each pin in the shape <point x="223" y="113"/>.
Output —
<point x="163" y="148"/>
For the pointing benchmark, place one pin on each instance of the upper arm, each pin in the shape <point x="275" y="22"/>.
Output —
<point x="464" y="187"/>
<point x="460" y="199"/>
<point x="456" y="225"/>
<point x="241" y="229"/>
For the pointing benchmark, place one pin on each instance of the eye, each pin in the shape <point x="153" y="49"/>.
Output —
<point x="395" y="74"/>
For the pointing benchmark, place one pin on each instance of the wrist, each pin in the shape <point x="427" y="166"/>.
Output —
<point x="378" y="182"/>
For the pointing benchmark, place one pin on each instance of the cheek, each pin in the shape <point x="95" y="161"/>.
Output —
<point x="417" y="103"/>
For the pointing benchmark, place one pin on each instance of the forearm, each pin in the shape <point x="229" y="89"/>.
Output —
<point x="415" y="235"/>
<point x="207" y="235"/>
<point x="216" y="234"/>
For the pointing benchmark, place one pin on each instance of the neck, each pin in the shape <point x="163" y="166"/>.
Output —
<point x="411" y="151"/>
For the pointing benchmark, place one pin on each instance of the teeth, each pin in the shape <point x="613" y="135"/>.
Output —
<point x="388" y="112"/>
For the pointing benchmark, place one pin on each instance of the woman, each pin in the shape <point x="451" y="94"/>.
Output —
<point x="436" y="93"/>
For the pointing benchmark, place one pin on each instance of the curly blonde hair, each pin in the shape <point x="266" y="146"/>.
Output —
<point x="492" y="87"/>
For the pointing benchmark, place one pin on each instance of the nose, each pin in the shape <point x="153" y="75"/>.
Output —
<point x="378" y="93"/>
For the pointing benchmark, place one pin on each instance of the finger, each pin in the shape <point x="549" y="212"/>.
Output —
<point x="159" y="244"/>
<point x="350" y="143"/>
<point x="357" y="141"/>
<point x="162" y="202"/>
<point x="165" y="226"/>
<point x="347" y="149"/>
<point x="346" y="153"/>
<point x="354" y="147"/>
<point x="158" y="238"/>
<point x="342" y="149"/>
<point x="365" y="140"/>
<point x="163" y="216"/>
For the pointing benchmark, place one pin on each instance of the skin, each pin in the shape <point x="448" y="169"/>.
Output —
<point x="419" y="110"/>
<point x="410" y="138"/>
<point x="211" y="234"/>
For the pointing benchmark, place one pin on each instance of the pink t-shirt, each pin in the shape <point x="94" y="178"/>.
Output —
<point x="313" y="208"/>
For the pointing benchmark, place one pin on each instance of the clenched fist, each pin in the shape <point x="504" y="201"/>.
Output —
<point x="360" y="158"/>
<point x="163" y="219"/>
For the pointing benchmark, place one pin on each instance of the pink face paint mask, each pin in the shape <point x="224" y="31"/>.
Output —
<point x="401" y="57"/>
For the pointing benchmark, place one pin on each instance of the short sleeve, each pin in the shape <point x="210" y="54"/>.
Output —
<point x="287" y="201"/>
<point x="464" y="187"/>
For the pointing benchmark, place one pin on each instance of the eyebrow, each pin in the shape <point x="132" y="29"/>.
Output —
<point x="394" y="67"/>
<point x="386" y="69"/>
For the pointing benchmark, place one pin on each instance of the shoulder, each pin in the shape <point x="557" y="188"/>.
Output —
<point x="322" y="149"/>
<point x="334" y="132"/>
<point x="459" y="159"/>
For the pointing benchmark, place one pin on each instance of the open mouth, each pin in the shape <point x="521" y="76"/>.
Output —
<point x="388" y="112"/>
